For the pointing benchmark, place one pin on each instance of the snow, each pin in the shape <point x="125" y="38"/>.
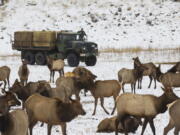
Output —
<point x="106" y="68"/>
<point x="110" y="23"/>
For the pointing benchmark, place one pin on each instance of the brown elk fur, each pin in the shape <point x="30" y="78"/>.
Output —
<point x="85" y="77"/>
<point x="130" y="76"/>
<point x="14" y="123"/>
<point x="55" y="65"/>
<point x="4" y="75"/>
<point x="108" y="125"/>
<point x="68" y="86"/>
<point x="23" y="72"/>
<point x="58" y="112"/>
<point x="168" y="79"/>
<point x="174" y="120"/>
<point x="23" y="92"/>
<point x="101" y="89"/>
<point x="144" y="106"/>
<point x="175" y="68"/>
<point x="150" y="71"/>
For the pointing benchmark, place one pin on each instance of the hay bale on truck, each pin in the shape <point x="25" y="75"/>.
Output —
<point x="44" y="38"/>
<point x="35" y="46"/>
<point x="23" y="38"/>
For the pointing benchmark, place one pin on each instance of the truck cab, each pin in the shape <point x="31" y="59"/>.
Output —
<point x="75" y="49"/>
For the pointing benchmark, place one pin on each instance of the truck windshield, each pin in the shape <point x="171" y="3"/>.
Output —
<point x="69" y="37"/>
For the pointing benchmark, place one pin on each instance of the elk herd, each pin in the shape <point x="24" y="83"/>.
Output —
<point x="55" y="106"/>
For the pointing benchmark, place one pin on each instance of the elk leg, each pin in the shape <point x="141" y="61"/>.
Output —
<point x="60" y="74"/>
<point x="168" y="127"/>
<point x="62" y="71"/>
<point x="53" y="75"/>
<point x="31" y="125"/>
<point x="144" y="126"/>
<point x="102" y="105"/>
<point x="140" y="83"/>
<point x="152" y="126"/>
<point x="77" y="94"/>
<point x="95" y="105"/>
<point x="134" y="87"/>
<point x="131" y="87"/>
<point x="176" y="131"/>
<point x="49" y="129"/>
<point x="154" y="83"/>
<point x="50" y="75"/>
<point x="150" y="77"/>
<point x="116" y="125"/>
<point x="5" y="85"/>
<point x="85" y="92"/>
<point x="114" y="104"/>
<point x="123" y="87"/>
<point x="63" y="128"/>
<point x="8" y="82"/>
<point x="139" y="79"/>
<point x="25" y="82"/>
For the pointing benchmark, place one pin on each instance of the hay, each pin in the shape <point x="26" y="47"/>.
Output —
<point x="44" y="38"/>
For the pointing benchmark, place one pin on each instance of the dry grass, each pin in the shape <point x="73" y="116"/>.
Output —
<point x="136" y="50"/>
<point x="173" y="63"/>
<point x="12" y="55"/>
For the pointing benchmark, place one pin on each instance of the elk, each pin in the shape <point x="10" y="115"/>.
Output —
<point x="106" y="88"/>
<point x="67" y="86"/>
<point x="108" y="125"/>
<point x="168" y="79"/>
<point x="85" y="77"/>
<point x="58" y="112"/>
<point x="14" y="122"/>
<point x="174" y="114"/>
<point x="23" y="92"/>
<point x="143" y="106"/>
<point x="4" y="75"/>
<point x="149" y="71"/>
<point x="55" y="65"/>
<point x="130" y="76"/>
<point x="23" y="72"/>
<point x="175" y="68"/>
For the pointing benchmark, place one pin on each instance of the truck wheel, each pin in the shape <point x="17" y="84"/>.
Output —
<point x="73" y="60"/>
<point x="40" y="58"/>
<point x="91" y="60"/>
<point x="29" y="57"/>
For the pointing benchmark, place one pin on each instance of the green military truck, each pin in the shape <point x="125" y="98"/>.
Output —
<point x="35" y="46"/>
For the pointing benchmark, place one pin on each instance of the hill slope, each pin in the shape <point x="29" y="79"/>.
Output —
<point x="112" y="24"/>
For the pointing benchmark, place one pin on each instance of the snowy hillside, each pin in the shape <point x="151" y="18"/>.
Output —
<point x="110" y="23"/>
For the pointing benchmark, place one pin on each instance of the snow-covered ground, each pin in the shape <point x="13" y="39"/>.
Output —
<point x="110" y="23"/>
<point x="106" y="68"/>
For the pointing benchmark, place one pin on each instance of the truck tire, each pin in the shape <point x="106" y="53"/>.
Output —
<point x="73" y="60"/>
<point x="40" y="58"/>
<point x="91" y="60"/>
<point x="29" y="57"/>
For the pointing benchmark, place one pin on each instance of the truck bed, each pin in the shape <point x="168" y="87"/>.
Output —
<point x="34" y="40"/>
